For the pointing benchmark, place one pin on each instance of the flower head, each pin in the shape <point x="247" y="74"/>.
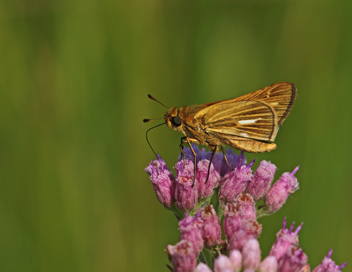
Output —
<point x="249" y="230"/>
<point x="211" y="229"/>
<point x="328" y="265"/>
<point x="242" y="210"/>
<point x="182" y="256"/>
<point x="261" y="181"/>
<point x="206" y="187"/>
<point x="222" y="263"/>
<point x="186" y="194"/>
<point x="163" y="181"/>
<point x="251" y="254"/>
<point x="269" y="264"/>
<point x="202" y="267"/>
<point x="286" y="238"/>
<point x="191" y="230"/>
<point x="278" y="194"/>
<point x="294" y="260"/>
<point x="235" y="182"/>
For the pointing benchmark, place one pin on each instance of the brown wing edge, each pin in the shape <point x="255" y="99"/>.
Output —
<point x="275" y="126"/>
<point x="292" y="101"/>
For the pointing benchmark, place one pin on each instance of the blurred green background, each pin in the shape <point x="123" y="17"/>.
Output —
<point x="74" y="79"/>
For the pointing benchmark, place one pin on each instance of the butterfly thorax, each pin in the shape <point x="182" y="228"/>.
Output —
<point x="182" y="120"/>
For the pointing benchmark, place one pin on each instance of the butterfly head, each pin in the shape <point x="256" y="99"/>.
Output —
<point x="173" y="120"/>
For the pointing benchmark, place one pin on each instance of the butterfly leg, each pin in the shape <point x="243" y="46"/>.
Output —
<point x="195" y="160"/>
<point x="223" y="152"/>
<point x="183" y="141"/>
<point x="211" y="159"/>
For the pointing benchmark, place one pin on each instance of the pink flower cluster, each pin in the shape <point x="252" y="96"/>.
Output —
<point x="241" y="252"/>
<point x="186" y="193"/>
<point x="237" y="193"/>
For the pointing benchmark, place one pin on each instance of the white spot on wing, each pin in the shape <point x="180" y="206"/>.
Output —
<point x="244" y="134"/>
<point x="247" y="122"/>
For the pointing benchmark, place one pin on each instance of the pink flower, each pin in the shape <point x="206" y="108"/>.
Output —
<point x="246" y="206"/>
<point x="238" y="192"/>
<point x="233" y="219"/>
<point x="286" y="238"/>
<point x="185" y="193"/>
<point x="222" y="264"/>
<point x="243" y="209"/>
<point x="261" y="180"/>
<point x="201" y="267"/>
<point x="235" y="182"/>
<point x="251" y="254"/>
<point x="269" y="264"/>
<point x="163" y="182"/>
<point x="206" y="187"/>
<point x="182" y="256"/>
<point x="293" y="261"/>
<point x="190" y="229"/>
<point x="278" y="194"/>
<point x="248" y="230"/>
<point x="211" y="229"/>
<point x="328" y="265"/>
<point x="236" y="260"/>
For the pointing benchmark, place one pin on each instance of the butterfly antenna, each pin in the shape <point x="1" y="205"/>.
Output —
<point x="149" y="120"/>
<point x="153" y="98"/>
<point x="146" y="136"/>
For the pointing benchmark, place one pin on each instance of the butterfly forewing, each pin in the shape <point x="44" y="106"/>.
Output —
<point x="280" y="96"/>
<point x="248" y="119"/>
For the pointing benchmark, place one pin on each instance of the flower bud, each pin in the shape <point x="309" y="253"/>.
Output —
<point x="185" y="194"/>
<point x="222" y="263"/>
<point x="233" y="219"/>
<point x="201" y="267"/>
<point x="236" y="260"/>
<point x="248" y="230"/>
<point x="182" y="256"/>
<point x="246" y="206"/>
<point x="251" y="254"/>
<point x="305" y="268"/>
<point x="163" y="182"/>
<point x="235" y="182"/>
<point x="269" y="264"/>
<point x="328" y="265"/>
<point x="211" y="229"/>
<point x="278" y="194"/>
<point x="190" y="229"/>
<point x="243" y="209"/>
<point x="294" y="260"/>
<point x="206" y="189"/>
<point x="286" y="238"/>
<point x="261" y="181"/>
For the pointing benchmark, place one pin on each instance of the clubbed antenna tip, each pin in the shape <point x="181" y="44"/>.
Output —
<point x="153" y="98"/>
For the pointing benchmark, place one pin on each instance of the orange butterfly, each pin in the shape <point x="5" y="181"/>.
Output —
<point x="249" y="122"/>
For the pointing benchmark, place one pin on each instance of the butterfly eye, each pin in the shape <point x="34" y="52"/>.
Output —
<point x="176" y="121"/>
